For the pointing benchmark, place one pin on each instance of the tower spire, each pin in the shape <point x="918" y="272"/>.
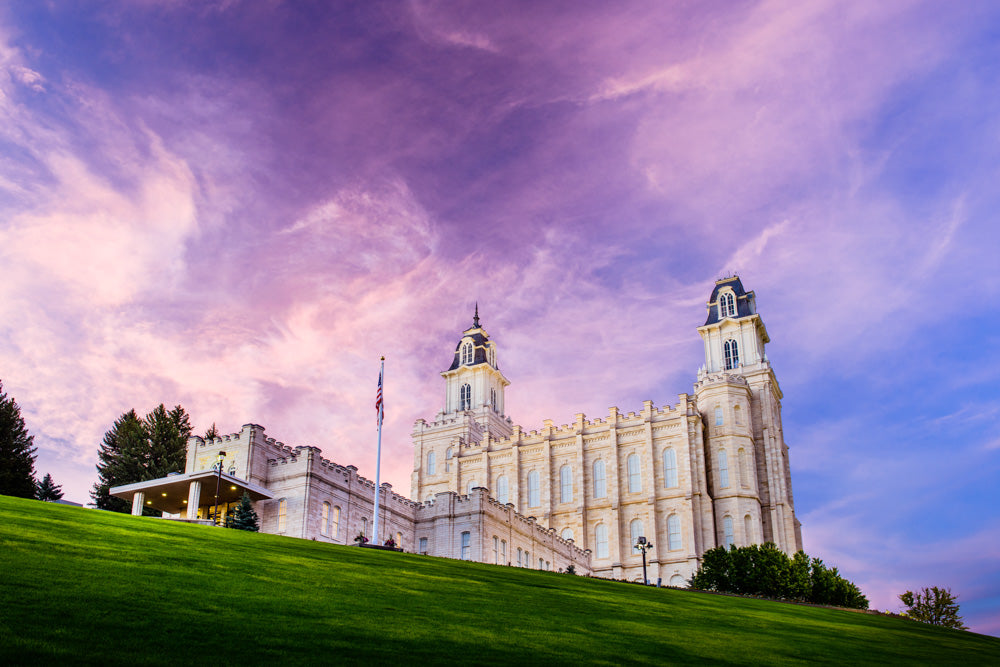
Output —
<point x="475" y="318"/>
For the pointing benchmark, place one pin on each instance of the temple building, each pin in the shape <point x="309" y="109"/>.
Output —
<point x="709" y="470"/>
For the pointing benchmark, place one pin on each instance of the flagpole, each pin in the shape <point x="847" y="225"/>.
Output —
<point x="378" y="455"/>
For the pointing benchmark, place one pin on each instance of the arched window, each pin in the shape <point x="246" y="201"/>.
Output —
<point x="527" y="558"/>
<point x="364" y="526"/>
<point x="465" y="397"/>
<point x="519" y="554"/>
<point x="565" y="484"/>
<point x="422" y="546"/>
<point x="738" y="414"/>
<point x="600" y="480"/>
<point x="470" y="486"/>
<point x="493" y="399"/>
<point x="431" y="463"/>
<point x="741" y="457"/>
<point x="466" y="545"/>
<point x="466" y="354"/>
<point x="282" y="514"/>
<point x="335" y="522"/>
<point x="502" y="490"/>
<point x="732" y="353"/>
<point x="727" y="528"/>
<point x="669" y="468"/>
<point x="748" y="528"/>
<point x="635" y="531"/>
<point x="567" y="534"/>
<point x="448" y="454"/>
<point x="727" y="305"/>
<point x="719" y="420"/>
<point x="324" y="519"/>
<point x="634" y="475"/>
<point x="677" y="581"/>
<point x="496" y="550"/>
<point x="399" y="540"/>
<point x="674" y="533"/>
<point x="503" y="552"/>
<point x="601" y="540"/>
<point x="534" y="491"/>
<point x="723" y="469"/>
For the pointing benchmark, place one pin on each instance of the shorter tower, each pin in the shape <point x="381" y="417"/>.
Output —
<point x="474" y="409"/>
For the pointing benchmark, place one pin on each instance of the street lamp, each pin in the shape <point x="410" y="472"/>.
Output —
<point x="642" y="545"/>
<point x="218" y="482"/>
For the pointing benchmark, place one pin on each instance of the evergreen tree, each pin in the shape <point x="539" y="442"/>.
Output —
<point x="244" y="518"/>
<point x="135" y="450"/>
<point x="48" y="490"/>
<point x="17" y="451"/>
<point x="211" y="433"/>
<point x="934" y="605"/>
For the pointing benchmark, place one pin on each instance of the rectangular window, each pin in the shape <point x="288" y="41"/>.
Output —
<point x="496" y="550"/>
<point x="718" y="416"/>
<point x="534" y="489"/>
<point x="466" y="546"/>
<point x="423" y="546"/>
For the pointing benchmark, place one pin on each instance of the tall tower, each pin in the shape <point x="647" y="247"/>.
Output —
<point x="740" y="402"/>
<point x="473" y="410"/>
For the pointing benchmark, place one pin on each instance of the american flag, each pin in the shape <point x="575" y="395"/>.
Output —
<point x="378" y="397"/>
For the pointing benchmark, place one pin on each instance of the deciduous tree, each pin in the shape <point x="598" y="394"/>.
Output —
<point x="934" y="605"/>
<point x="17" y="451"/>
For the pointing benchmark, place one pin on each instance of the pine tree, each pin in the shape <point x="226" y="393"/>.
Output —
<point x="244" y="518"/>
<point x="135" y="450"/>
<point x="211" y="433"/>
<point x="17" y="453"/>
<point x="48" y="490"/>
<point x="934" y="605"/>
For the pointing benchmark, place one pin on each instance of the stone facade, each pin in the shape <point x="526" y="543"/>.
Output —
<point x="710" y="470"/>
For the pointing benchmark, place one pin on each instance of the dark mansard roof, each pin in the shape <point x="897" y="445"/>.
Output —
<point x="745" y="301"/>
<point x="479" y="340"/>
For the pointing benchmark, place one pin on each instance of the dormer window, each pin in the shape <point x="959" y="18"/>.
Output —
<point x="727" y="305"/>
<point x="732" y="354"/>
<point x="466" y="354"/>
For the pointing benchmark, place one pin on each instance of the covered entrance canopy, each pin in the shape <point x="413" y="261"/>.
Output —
<point x="183" y="493"/>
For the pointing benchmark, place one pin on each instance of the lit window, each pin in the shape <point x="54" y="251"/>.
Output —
<point x="634" y="476"/>
<point x="466" y="354"/>
<point x="282" y="514"/>
<point x="448" y="454"/>
<point x="567" y="534"/>
<point x="748" y="528"/>
<point x="601" y="540"/>
<point x="727" y="527"/>
<point x="534" y="491"/>
<point x="600" y="480"/>
<point x="465" y="397"/>
<point x="324" y="519"/>
<point x="635" y="531"/>
<point x="723" y="469"/>
<point x="727" y="305"/>
<point x="431" y="463"/>
<point x="732" y="353"/>
<point x="673" y="532"/>
<point x="719" y="420"/>
<point x="741" y="457"/>
<point x="565" y="484"/>
<point x="502" y="489"/>
<point x="466" y="545"/>
<point x="399" y="540"/>
<point x="423" y="546"/>
<point x="669" y="468"/>
<point x="335" y="522"/>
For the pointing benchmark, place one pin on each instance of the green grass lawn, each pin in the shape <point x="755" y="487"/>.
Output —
<point x="84" y="586"/>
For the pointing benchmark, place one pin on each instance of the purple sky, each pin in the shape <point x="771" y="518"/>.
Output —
<point x="238" y="206"/>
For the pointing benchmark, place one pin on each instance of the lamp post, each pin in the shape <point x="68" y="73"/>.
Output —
<point x="218" y="482"/>
<point x="642" y="545"/>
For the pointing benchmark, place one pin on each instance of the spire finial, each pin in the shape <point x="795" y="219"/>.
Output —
<point x="475" y="318"/>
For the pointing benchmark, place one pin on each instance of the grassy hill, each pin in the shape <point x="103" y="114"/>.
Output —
<point x="83" y="586"/>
